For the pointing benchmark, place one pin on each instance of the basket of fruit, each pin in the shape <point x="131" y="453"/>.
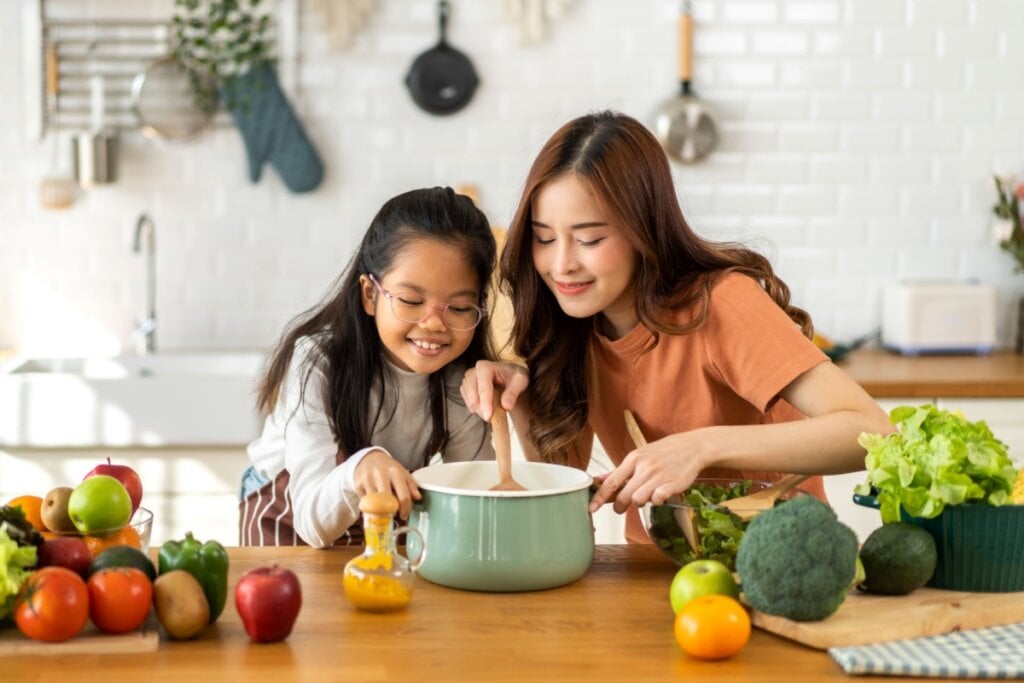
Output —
<point x="103" y="510"/>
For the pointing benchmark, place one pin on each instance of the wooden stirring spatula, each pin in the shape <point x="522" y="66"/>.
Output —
<point x="749" y="506"/>
<point x="502" y="449"/>
<point x="684" y="515"/>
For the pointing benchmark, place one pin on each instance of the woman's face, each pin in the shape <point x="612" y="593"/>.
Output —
<point x="582" y="255"/>
<point x="425" y="276"/>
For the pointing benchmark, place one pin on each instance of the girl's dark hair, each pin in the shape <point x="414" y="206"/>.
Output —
<point x="346" y="345"/>
<point x="624" y="166"/>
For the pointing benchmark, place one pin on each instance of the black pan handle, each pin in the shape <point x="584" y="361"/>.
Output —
<point x="443" y="12"/>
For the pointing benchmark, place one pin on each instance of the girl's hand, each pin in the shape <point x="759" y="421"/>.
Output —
<point x="479" y="383"/>
<point x="378" y="472"/>
<point x="653" y="473"/>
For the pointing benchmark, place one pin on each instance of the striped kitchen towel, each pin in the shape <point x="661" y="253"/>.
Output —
<point x="996" y="652"/>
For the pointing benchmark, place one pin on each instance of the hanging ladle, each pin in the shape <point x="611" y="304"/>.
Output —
<point x="684" y="515"/>
<point x="502" y="449"/>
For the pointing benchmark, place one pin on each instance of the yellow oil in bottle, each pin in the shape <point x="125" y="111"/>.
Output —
<point x="378" y="580"/>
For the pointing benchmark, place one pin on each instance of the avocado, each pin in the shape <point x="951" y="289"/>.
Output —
<point x="898" y="558"/>
<point x="123" y="556"/>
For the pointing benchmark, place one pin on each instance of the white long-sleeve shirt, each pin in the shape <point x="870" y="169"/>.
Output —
<point x="297" y="438"/>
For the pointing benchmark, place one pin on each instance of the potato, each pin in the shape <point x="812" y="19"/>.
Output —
<point x="180" y="604"/>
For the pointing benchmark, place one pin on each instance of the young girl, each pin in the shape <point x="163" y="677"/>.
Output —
<point x="620" y="305"/>
<point x="364" y="388"/>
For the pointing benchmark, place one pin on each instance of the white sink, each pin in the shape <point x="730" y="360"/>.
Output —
<point x="165" y="399"/>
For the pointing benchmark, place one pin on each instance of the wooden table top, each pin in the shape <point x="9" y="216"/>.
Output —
<point x="613" y="624"/>
<point x="884" y="374"/>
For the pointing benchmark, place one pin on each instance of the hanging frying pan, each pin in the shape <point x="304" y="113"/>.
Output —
<point x="684" y="125"/>
<point x="442" y="80"/>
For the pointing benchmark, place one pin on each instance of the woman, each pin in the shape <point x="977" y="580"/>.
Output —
<point x="620" y="305"/>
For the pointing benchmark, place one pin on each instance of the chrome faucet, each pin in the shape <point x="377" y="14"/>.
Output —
<point x="145" y="334"/>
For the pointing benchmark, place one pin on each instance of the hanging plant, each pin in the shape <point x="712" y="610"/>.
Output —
<point x="220" y="40"/>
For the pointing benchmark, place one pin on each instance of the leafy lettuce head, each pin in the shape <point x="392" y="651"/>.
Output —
<point x="934" y="459"/>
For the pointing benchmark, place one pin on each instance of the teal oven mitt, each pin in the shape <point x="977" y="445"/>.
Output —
<point x="271" y="130"/>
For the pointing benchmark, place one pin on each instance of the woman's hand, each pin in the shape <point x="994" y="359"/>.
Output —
<point x="479" y="383"/>
<point x="378" y="472"/>
<point x="653" y="473"/>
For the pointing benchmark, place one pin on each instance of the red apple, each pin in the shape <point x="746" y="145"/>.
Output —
<point x="124" y="474"/>
<point x="66" y="551"/>
<point x="268" y="600"/>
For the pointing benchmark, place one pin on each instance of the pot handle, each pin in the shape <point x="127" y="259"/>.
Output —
<point x="413" y="564"/>
<point x="868" y="501"/>
<point x="685" y="45"/>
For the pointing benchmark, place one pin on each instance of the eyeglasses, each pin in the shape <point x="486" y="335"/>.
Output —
<point x="455" y="316"/>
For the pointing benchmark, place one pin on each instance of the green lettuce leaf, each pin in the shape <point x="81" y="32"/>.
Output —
<point x="15" y="563"/>
<point x="720" y="530"/>
<point x="934" y="459"/>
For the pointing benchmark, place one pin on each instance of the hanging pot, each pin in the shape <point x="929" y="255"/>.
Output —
<point x="684" y="125"/>
<point x="442" y="80"/>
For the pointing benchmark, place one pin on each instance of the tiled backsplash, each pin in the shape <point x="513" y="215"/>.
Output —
<point x="858" y="139"/>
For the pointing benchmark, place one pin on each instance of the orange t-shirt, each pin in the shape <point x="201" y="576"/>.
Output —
<point x="729" y="372"/>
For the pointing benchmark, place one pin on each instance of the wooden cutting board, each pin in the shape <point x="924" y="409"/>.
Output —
<point x="863" y="618"/>
<point x="91" y="641"/>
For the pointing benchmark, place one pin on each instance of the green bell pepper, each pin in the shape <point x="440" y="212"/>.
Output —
<point x="207" y="562"/>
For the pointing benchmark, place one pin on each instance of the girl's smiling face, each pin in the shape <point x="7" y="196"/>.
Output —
<point x="582" y="255"/>
<point x="431" y="272"/>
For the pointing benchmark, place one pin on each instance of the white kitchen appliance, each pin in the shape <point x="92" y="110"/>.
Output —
<point x="939" y="317"/>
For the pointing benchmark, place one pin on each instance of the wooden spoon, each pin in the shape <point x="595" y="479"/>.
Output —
<point x="749" y="506"/>
<point x="502" y="449"/>
<point x="684" y="515"/>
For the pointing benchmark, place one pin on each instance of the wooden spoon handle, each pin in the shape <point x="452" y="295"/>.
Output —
<point x="786" y="483"/>
<point x="502" y="440"/>
<point x="634" y="429"/>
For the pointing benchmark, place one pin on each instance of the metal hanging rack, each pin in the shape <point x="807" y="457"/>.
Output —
<point x="115" y="49"/>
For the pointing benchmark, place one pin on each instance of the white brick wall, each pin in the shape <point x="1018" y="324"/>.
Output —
<point x="857" y="143"/>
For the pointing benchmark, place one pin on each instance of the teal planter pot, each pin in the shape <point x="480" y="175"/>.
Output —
<point x="980" y="547"/>
<point x="502" y="541"/>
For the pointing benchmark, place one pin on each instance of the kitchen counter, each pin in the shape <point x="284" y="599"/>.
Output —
<point x="884" y="374"/>
<point x="614" y="624"/>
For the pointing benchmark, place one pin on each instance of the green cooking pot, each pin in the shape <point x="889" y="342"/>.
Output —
<point x="502" y="541"/>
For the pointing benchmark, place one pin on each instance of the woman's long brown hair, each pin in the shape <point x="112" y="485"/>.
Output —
<point x="626" y="169"/>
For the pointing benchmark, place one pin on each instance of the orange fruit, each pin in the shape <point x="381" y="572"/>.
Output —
<point x="32" y="506"/>
<point x="125" y="536"/>
<point x="712" y="627"/>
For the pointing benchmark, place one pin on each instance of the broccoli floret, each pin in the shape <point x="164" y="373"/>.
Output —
<point x="797" y="560"/>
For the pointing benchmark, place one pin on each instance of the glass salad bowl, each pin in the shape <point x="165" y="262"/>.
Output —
<point x="718" y="530"/>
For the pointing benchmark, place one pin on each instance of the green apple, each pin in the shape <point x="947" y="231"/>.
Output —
<point x="698" y="578"/>
<point x="100" y="503"/>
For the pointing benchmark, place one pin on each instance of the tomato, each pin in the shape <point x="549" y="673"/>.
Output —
<point x="712" y="627"/>
<point x="119" y="598"/>
<point x="53" y="605"/>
